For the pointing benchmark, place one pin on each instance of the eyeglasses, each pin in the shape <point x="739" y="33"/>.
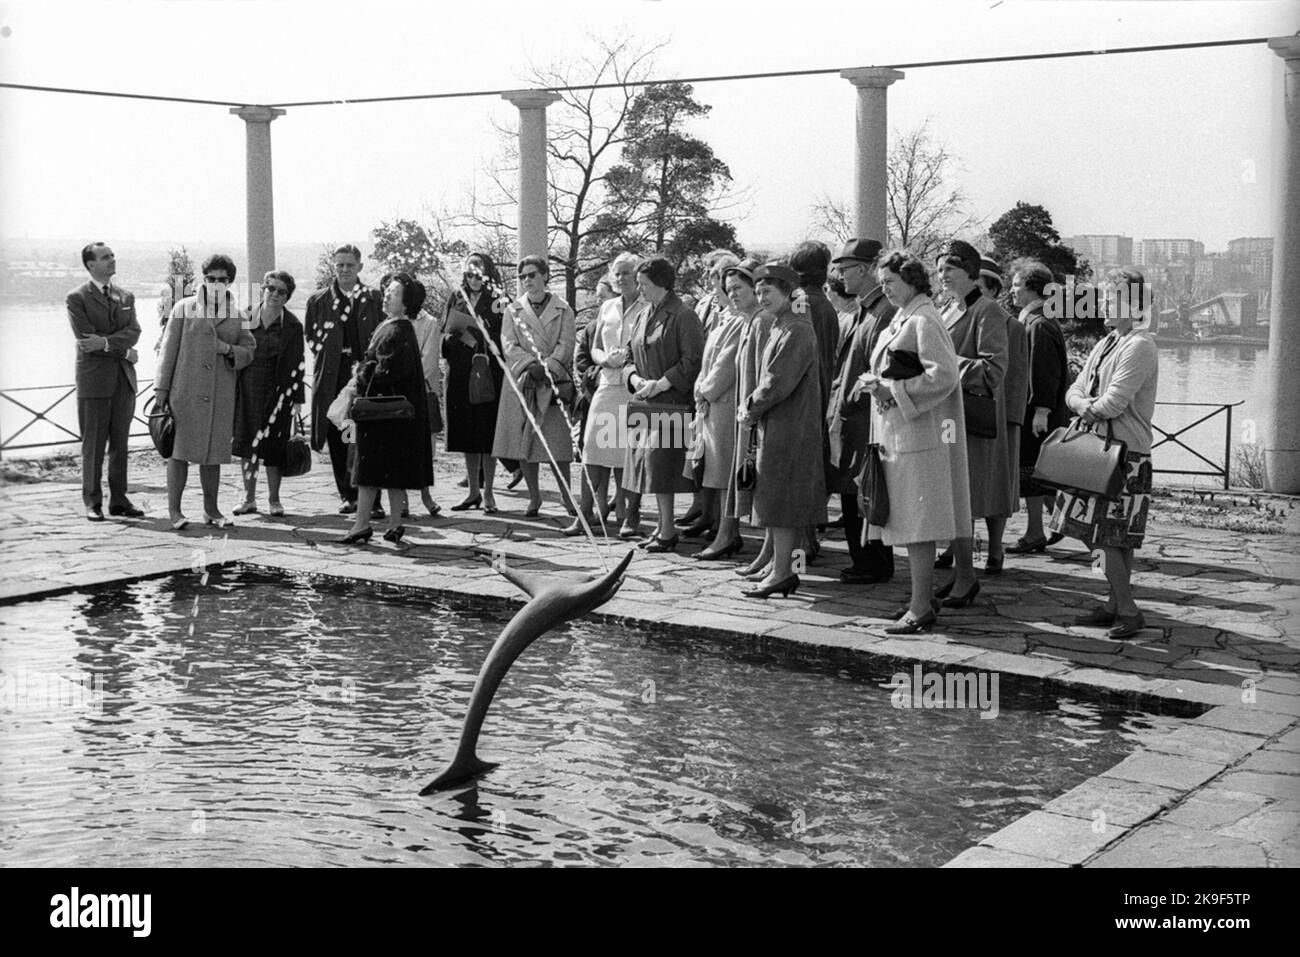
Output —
<point x="207" y="278"/>
<point x="278" y="290"/>
<point x="529" y="275"/>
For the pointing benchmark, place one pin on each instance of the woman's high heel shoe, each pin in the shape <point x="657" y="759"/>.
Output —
<point x="698" y="529"/>
<point x="785" y="586"/>
<point x="469" y="503"/>
<point x="663" y="544"/>
<point x="220" y="521"/>
<point x="489" y="504"/>
<point x="757" y="567"/>
<point x="394" y="535"/>
<point x="534" y="509"/>
<point x="961" y="601"/>
<point x="357" y="538"/>
<point x="909" y="624"/>
<point x="180" y="523"/>
<point x="733" y="547"/>
<point x="944" y="560"/>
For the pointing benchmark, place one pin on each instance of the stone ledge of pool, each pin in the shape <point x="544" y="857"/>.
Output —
<point x="1062" y="838"/>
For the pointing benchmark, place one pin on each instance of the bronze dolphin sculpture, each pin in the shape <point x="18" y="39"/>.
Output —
<point x="551" y="604"/>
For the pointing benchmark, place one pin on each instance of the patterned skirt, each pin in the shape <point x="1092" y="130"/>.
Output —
<point x="1099" y="523"/>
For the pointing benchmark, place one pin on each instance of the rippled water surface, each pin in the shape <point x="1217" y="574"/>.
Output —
<point x="261" y="720"/>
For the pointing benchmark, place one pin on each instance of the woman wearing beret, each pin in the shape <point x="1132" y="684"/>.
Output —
<point x="919" y="424"/>
<point x="667" y="345"/>
<point x="978" y="330"/>
<point x="1116" y="394"/>
<point x="790" y="483"/>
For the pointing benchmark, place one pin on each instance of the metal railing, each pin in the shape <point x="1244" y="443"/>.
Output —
<point x="1219" y="471"/>
<point x="38" y="416"/>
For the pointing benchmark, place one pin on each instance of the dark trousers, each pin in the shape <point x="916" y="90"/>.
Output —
<point x="105" y="421"/>
<point x="874" y="558"/>
<point x="339" y="463"/>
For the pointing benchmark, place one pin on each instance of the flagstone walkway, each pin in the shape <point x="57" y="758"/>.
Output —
<point x="1222" y="611"/>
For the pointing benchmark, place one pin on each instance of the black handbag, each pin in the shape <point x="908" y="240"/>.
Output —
<point x="981" y="414"/>
<point x="162" y="427"/>
<point x="297" y="454"/>
<point x="381" y="408"/>
<point x="435" y="413"/>
<point x="482" y="389"/>
<point x="748" y="471"/>
<point x="902" y="364"/>
<point x="873" y="493"/>
<point x="1076" y="459"/>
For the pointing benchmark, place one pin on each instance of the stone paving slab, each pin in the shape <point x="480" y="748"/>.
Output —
<point x="1221" y="609"/>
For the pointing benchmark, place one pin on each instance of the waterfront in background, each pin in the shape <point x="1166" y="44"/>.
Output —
<point x="36" y="349"/>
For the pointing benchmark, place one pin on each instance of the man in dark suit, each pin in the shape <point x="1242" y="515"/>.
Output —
<point x="848" y="421"/>
<point x="104" y="322"/>
<point x="340" y="320"/>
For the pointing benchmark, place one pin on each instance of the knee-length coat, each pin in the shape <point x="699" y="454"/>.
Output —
<point x="922" y="436"/>
<point x="715" y="393"/>
<point x="978" y="330"/>
<point x="198" y="383"/>
<point x="527" y="337"/>
<point x="1017" y="391"/>
<point x="471" y="428"/>
<point x="754" y="332"/>
<point x="667" y="342"/>
<point x="790" y="483"/>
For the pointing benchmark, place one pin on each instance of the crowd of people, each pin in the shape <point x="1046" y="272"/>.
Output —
<point x="915" y="395"/>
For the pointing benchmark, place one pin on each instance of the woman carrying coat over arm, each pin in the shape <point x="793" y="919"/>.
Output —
<point x="204" y="346"/>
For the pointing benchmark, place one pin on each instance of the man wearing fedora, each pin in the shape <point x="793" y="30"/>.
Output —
<point x="104" y="322"/>
<point x="849" y="424"/>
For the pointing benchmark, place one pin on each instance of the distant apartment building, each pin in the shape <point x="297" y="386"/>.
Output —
<point x="1103" y="249"/>
<point x="1153" y="251"/>
<point x="1254" y="255"/>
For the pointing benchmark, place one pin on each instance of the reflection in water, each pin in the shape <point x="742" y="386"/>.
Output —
<point x="257" y="720"/>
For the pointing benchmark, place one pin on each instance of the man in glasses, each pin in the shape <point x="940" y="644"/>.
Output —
<point x="104" y="322"/>
<point x="340" y="321"/>
<point x="848" y="423"/>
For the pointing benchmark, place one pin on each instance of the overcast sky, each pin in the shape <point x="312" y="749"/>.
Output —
<point x="1167" y="144"/>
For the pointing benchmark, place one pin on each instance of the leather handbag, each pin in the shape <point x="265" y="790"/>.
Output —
<point x="981" y="414"/>
<point x="873" y="493"/>
<point x="297" y="453"/>
<point x="162" y="427"/>
<point x="381" y="408"/>
<point x="748" y="471"/>
<point x="482" y="390"/>
<point x="1076" y="459"/>
<point x="902" y="364"/>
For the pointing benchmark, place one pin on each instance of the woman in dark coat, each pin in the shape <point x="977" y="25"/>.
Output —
<point x="667" y="348"/>
<point x="270" y="392"/>
<point x="790" y="482"/>
<point x="472" y="426"/>
<point x="1049" y="377"/>
<point x="395" y="454"/>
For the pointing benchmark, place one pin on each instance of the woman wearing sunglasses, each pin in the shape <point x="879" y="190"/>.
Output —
<point x="537" y="338"/>
<point x="204" y="346"/>
<point x="269" y="392"/>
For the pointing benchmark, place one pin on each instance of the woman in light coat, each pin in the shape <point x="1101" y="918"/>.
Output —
<point x="429" y="336"/>
<point x="537" y="339"/>
<point x="1115" y="394"/>
<point x="204" y="346"/>
<point x="920" y="426"/>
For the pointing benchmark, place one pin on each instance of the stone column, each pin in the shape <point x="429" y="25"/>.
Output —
<point x="869" y="176"/>
<point x="1282" y="438"/>
<point x="533" y="217"/>
<point x="260" y="211"/>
